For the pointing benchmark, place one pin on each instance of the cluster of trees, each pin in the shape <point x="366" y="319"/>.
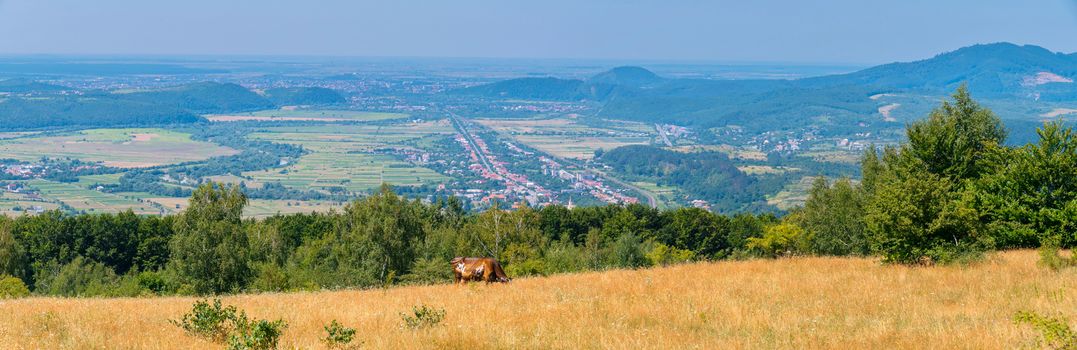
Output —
<point x="952" y="191"/>
<point x="374" y="241"/>
<point x="706" y="175"/>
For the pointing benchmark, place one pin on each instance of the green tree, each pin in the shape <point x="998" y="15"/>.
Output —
<point x="834" y="216"/>
<point x="209" y="250"/>
<point x="781" y="240"/>
<point x="919" y="206"/>
<point x="12" y="254"/>
<point x="1031" y="194"/>
<point x="954" y="139"/>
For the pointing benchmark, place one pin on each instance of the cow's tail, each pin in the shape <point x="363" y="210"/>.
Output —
<point x="500" y="273"/>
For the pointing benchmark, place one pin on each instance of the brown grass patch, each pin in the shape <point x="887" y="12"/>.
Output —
<point x="838" y="303"/>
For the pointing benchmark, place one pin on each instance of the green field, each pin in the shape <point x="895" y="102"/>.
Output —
<point x="667" y="195"/>
<point x="793" y="194"/>
<point x="305" y="115"/>
<point x="568" y="137"/>
<point x="84" y="199"/>
<point x="341" y="155"/>
<point x="124" y="148"/>
<point x="9" y="202"/>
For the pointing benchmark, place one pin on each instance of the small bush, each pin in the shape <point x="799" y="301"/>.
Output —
<point x="214" y="322"/>
<point x="662" y="255"/>
<point x="422" y="317"/>
<point x="12" y="288"/>
<point x="1051" y="259"/>
<point x="1055" y="332"/>
<point x="338" y="336"/>
<point x="220" y="323"/>
<point x="253" y="334"/>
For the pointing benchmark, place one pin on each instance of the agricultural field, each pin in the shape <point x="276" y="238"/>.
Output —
<point x="667" y="195"/>
<point x="323" y="115"/>
<point x="803" y="302"/>
<point x="569" y="137"/>
<point x="342" y="155"/>
<point x="15" y="204"/>
<point x="123" y="148"/>
<point x="793" y="194"/>
<point x="256" y="208"/>
<point x="83" y="199"/>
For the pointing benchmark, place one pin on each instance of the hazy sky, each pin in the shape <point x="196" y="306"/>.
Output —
<point x="837" y="31"/>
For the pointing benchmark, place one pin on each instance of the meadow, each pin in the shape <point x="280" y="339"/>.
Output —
<point x="323" y="115"/>
<point x="806" y="302"/>
<point x="123" y="148"/>
<point x="82" y="198"/>
<point x="343" y="155"/>
<point x="570" y="138"/>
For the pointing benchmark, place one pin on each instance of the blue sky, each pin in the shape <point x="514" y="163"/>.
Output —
<point x="827" y="31"/>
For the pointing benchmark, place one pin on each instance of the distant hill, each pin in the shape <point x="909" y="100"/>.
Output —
<point x="87" y="111"/>
<point x="626" y="76"/>
<point x="20" y="85"/>
<point x="992" y="71"/>
<point x="204" y="98"/>
<point x="304" y="96"/>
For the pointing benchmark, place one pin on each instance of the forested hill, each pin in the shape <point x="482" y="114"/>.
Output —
<point x="991" y="70"/>
<point x="1000" y="70"/>
<point x="26" y="104"/>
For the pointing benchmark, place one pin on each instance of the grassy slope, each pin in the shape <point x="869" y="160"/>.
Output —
<point x="844" y="303"/>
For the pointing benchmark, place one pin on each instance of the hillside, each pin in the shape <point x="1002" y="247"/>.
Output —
<point x="34" y="105"/>
<point x="990" y="70"/>
<point x="993" y="71"/>
<point x="836" y="303"/>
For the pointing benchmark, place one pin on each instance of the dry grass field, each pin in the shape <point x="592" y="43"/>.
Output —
<point x="846" y="303"/>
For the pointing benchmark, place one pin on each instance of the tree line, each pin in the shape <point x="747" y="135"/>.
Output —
<point x="950" y="193"/>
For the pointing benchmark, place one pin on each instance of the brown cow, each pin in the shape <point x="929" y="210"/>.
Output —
<point x="477" y="269"/>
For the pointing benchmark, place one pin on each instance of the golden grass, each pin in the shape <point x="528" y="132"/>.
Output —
<point x="846" y="303"/>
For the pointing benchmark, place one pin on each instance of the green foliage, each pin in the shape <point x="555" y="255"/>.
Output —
<point x="220" y="324"/>
<point x="626" y="252"/>
<point x="953" y="140"/>
<point x="338" y="336"/>
<point x="834" y="218"/>
<point x="422" y="317"/>
<point x="921" y="208"/>
<point x="781" y="240"/>
<point x="12" y="254"/>
<point x="1051" y="259"/>
<point x="209" y="321"/>
<point x="1031" y="193"/>
<point x="1055" y="332"/>
<point x="80" y="277"/>
<point x="12" y="287"/>
<point x="253" y="334"/>
<point x="662" y="255"/>
<point x="209" y="249"/>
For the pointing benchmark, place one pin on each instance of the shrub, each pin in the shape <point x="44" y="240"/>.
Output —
<point x="12" y="288"/>
<point x="422" y="316"/>
<point x="662" y="255"/>
<point x="1055" y="332"/>
<point x="1050" y="257"/>
<point x="220" y="323"/>
<point x="338" y="336"/>
<point x="80" y="277"/>
<point x="780" y="240"/>
<point x="208" y="321"/>
<point x="251" y="334"/>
